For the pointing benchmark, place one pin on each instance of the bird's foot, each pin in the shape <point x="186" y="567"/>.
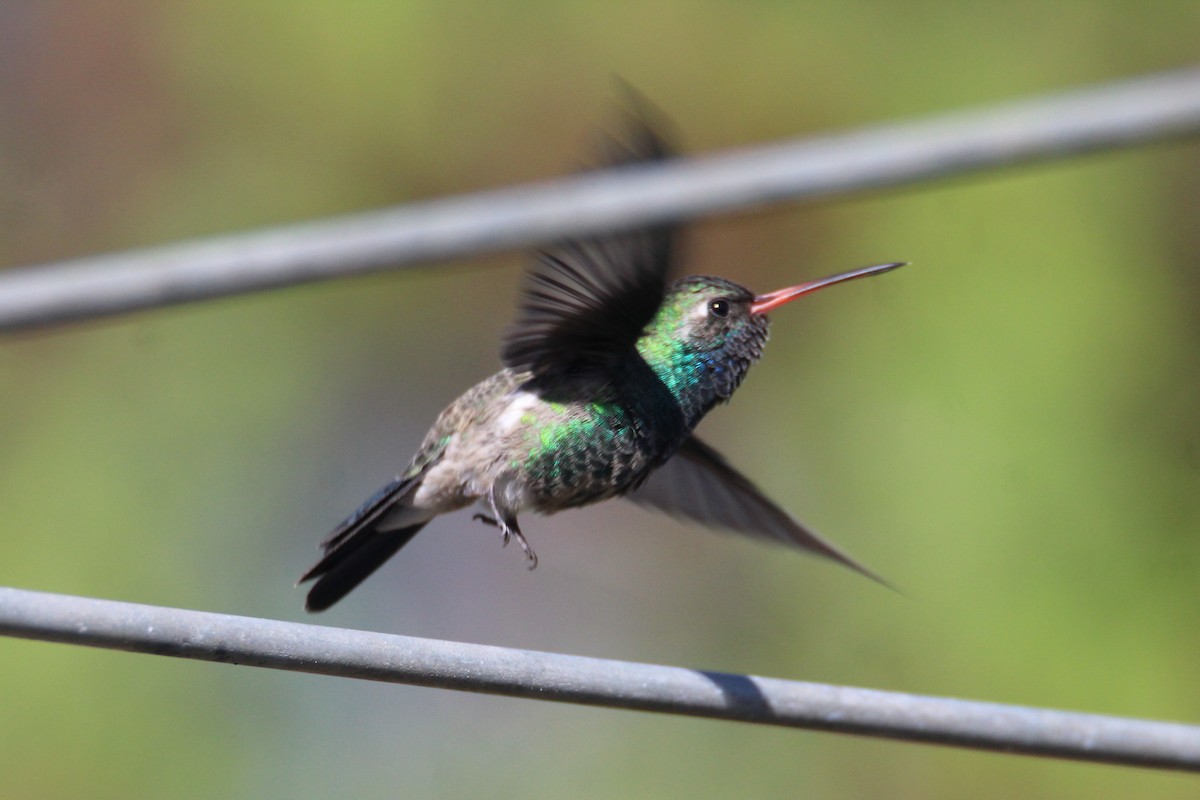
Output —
<point x="530" y="556"/>
<point x="508" y="529"/>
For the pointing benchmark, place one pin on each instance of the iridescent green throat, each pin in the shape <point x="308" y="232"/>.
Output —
<point x="701" y="360"/>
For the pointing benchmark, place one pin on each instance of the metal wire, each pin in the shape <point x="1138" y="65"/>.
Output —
<point x="1113" y="115"/>
<point x="593" y="681"/>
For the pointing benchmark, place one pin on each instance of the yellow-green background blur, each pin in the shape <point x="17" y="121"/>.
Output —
<point x="1007" y="428"/>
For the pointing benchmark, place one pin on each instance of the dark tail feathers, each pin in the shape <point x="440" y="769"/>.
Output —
<point x="352" y="562"/>
<point x="356" y="548"/>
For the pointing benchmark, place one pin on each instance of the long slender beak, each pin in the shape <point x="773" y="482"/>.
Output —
<point x="771" y="300"/>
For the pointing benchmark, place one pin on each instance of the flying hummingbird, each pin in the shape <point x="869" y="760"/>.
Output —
<point x="607" y="370"/>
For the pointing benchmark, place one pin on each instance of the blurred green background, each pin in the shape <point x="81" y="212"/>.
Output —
<point x="1008" y="428"/>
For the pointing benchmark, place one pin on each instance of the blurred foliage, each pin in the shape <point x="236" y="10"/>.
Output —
<point x="1007" y="428"/>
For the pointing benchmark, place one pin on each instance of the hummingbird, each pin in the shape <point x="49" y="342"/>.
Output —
<point x="608" y="368"/>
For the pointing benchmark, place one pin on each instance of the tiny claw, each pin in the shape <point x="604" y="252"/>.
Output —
<point x="530" y="556"/>
<point x="485" y="519"/>
<point x="508" y="529"/>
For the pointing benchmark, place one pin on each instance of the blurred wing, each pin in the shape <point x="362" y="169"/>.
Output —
<point x="698" y="484"/>
<point x="586" y="301"/>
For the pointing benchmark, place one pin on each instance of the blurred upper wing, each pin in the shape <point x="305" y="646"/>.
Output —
<point x="698" y="484"/>
<point x="586" y="301"/>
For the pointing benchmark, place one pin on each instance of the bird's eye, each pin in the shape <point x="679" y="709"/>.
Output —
<point x="719" y="308"/>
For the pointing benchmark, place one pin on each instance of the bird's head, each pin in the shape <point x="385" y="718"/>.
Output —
<point x="708" y="331"/>
<point x="704" y="315"/>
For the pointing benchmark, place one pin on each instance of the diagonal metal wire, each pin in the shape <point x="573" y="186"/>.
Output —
<point x="1114" y="115"/>
<point x="594" y="681"/>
